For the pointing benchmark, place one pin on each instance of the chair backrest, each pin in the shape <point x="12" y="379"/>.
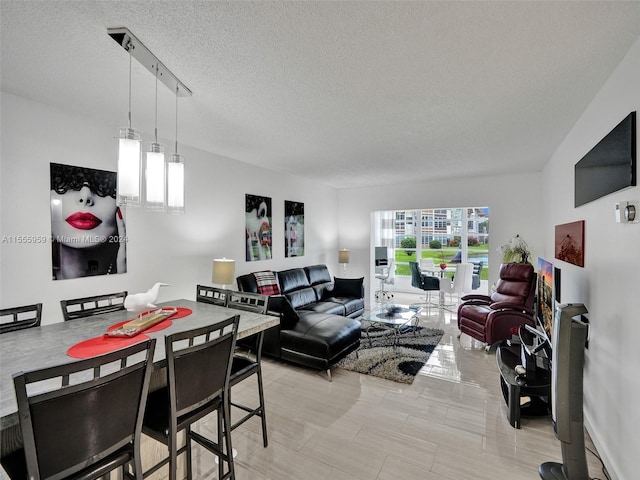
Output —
<point x="477" y="270"/>
<point x="199" y="365"/>
<point x="216" y="296"/>
<point x="253" y="302"/>
<point x="90" y="306"/>
<point x="76" y="414"/>
<point x="463" y="277"/>
<point x="19" y="318"/>
<point x="426" y="263"/>
<point x="477" y="267"/>
<point x="416" y="275"/>
<point x="385" y="271"/>
<point x="517" y="284"/>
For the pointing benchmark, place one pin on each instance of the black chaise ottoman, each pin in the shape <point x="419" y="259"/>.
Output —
<point x="318" y="340"/>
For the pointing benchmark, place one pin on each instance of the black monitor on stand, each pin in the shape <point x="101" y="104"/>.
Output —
<point x="569" y="339"/>
<point x="382" y="256"/>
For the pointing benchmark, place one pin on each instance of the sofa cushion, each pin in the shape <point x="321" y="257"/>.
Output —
<point x="348" y="287"/>
<point x="350" y="304"/>
<point x="323" y="290"/>
<point x="302" y="297"/>
<point x="293" y="279"/>
<point x="247" y="283"/>
<point x="318" y="274"/>
<point x="280" y="304"/>
<point x="320" y="335"/>
<point x="335" y="308"/>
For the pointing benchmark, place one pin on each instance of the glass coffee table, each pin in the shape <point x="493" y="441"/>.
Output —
<point x="392" y="317"/>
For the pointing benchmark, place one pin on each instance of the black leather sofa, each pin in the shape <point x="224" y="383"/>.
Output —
<point x="318" y="325"/>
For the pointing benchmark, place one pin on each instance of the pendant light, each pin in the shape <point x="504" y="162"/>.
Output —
<point x="154" y="190"/>
<point x="128" y="186"/>
<point x="163" y="184"/>
<point x="175" y="175"/>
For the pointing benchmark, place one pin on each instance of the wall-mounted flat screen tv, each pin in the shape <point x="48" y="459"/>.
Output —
<point x="610" y="165"/>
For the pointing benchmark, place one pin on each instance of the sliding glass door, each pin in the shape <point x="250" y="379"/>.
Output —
<point x="442" y="235"/>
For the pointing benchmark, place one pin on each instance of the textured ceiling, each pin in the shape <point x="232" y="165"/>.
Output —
<point x="347" y="93"/>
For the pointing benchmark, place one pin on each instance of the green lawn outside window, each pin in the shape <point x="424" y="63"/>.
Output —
<point x="444" y="254"/>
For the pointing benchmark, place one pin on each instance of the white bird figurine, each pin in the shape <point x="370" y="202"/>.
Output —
<point x="141" y="301"/>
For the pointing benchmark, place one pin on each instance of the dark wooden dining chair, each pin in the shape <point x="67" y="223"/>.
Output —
<point x="83" y="419"/>
<point x="243" y="365"/>
<point x="216" y="296"/>
<point x="198" y="371"/>
<point x="89" y="306"/>
<point x="19" y="318"/>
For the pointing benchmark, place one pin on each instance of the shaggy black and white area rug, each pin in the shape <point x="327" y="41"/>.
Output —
<point x="401" y="363"/>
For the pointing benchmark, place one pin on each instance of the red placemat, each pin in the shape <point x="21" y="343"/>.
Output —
<point x="101" y="345"/>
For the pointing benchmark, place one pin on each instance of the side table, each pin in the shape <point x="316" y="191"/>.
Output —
<point x="537" y="387"/>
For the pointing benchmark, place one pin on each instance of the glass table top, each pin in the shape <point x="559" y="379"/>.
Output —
<point x="392" y="313"/>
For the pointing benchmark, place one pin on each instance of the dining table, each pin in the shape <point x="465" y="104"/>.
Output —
<point x="51" y="344"/>
<point x="437" y="271"/>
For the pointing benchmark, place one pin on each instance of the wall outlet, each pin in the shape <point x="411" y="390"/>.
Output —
<point x="585" y="320"/>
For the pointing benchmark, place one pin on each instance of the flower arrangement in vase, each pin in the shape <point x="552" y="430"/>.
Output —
<point x="443" y="264"/>
<point x="516" y="251"/>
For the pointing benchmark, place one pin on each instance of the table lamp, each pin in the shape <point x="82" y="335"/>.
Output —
<point x="344" y="256"/>
<point x="224" y="271"/>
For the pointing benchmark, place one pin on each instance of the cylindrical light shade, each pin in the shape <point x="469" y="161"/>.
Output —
<point x="129" y="166"/>
<point x="224" y="271"/>
<point x="175" y="184"/>
<point x="344" y="255"/>
<point x="154" y="189"/>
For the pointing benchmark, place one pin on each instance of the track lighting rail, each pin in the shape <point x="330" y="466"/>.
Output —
<point x="140" y="52"/>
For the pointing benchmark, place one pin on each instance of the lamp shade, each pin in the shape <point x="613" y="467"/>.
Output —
<point x="344" y="255"/>
<point x="129" y="167"/>
<point x="154" y="177"/>
<point x="224" y="271"/>
<point x="175" y="184"/>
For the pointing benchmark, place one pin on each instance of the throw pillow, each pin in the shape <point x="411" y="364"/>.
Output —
<point x="267" y="283"/>
<point x="347" y="287"/>
<point x="289" y="317"/>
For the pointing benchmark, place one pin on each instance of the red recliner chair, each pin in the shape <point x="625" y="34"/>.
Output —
<point x="490" y="319"/>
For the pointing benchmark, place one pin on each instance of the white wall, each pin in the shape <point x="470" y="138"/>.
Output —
<point x="609" y="283"/>
<point x="169" y="248"/>
<point x="513" y="200"/>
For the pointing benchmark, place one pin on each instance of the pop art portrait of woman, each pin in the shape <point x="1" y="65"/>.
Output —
<point x="88" y="234"/>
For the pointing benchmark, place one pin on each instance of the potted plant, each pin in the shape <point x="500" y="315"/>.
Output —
<point x="516" y="251"/>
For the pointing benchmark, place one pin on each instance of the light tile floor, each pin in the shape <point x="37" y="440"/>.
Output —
<point x="451" y="423"/>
